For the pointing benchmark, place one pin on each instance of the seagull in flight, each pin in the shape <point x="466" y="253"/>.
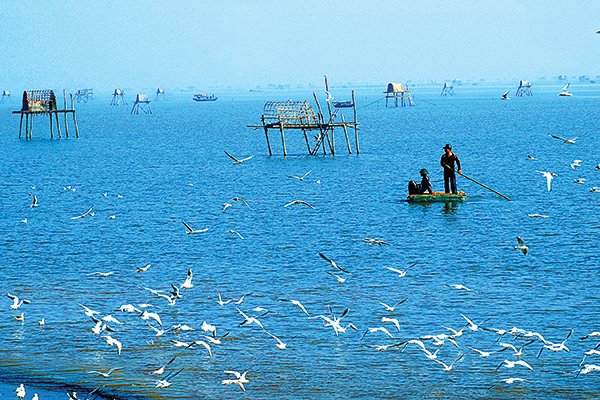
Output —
<point x="537" y="215"/>
<point x="549" y="176"/>
<point x="564" y="140"/>
<point x="144" y="268"/>
<point x="340" y="280"/>
<point x="510" y="381"/>
<point x="240" y="199"/>
<point x="241" y="379"/>
<point x="576" y="163"/>
<point x="378" y="329"/>
<point x="291" y="203"/>
<point x="531" y="158"/>
<point x="512" y="364"/>
<point x="236" y="160"/>
<point x="17" y="302"/>
<point x="297" y="304"/>
<point x="191" y="231"/>
<point x="113" y="342"/>
<point x="300" y="178"/>
<point x="329" y="96"/>
<point x="556" y="347"/>
<point x="236" y="233"/>
<point x="35" y="202"/>
<point x="161" y="370"/>
<point x="458" y="287"/>
<point x="86" y="213"/>
<point x="188" y="281"/>
<point x="505" y="95"/>
<point x="102" y="274"/>
<point x="391" y="320"/>
<point x="522" y="246"/>
<point x="448" y="368"/>
<point x="333" y="264"/>
<point x="105" y="374"/>
<point x="376" y="241"/>
<point x="393" y="307"/>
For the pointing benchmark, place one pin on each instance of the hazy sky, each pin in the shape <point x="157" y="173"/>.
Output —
<point x="134" y="44"/>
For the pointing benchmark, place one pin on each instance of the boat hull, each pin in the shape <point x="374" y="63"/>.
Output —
<point x="436" y="197"/>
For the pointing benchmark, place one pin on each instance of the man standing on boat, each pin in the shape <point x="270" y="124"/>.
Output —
<point x="447" y="162"/>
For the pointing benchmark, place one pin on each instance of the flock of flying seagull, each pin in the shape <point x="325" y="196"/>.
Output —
<point x="386" y="337"/>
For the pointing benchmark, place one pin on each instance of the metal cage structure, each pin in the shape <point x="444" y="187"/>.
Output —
<point x="290" y="112"/>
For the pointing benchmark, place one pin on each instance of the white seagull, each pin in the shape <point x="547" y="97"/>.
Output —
<point x="512" y="364"/>
<point x="188" y="281"/>
<point x="236" y="233"/>
<point x="391" y="320"/>
<point x="302" y="202"/>
<point x="522" y="247"/>
<point x="549" y="176"/>
<point x="241" y="379"/>
<point x="191" y="231"/>
<point x="16" y="301"/>
<point x="300" y="178"/>
<point x="401" y="273"/>
<point x="564" y="140"/>
<point x="236" y="160"/>
<point x="87" y="212"/>
<point x="297" y="304"/>
<point x="332" y="263"/>
<point x="392" y="307"/>
<point x="114" y="342"/>
<point x="106" y="374"/>
<point x="144" y="268"/>
<point x="35" y="202"/>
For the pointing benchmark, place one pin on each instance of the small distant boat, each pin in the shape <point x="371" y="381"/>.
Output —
<point x="436" y="197"/>
<point x="564" y="91"/>
<point x="204" y="97"/>
<point x="343" y="104"/>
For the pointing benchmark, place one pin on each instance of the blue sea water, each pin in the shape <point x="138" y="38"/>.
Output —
<point x="161" y="168"/>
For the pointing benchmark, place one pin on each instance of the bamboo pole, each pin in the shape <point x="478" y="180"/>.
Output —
<point x="282" y="139"/>
<point x="479" y="183"/>
<point x="306" y="138"/>
<point x="332" y="142"/>
<point x="57" y="124"/>
<point x="266" y="135"/>
<point x="346" y="135"/>
<point x="51" y="134"/>
<point x="65" y="114"/>
<point x="20" y="125"/>
<point x="74" y="117"/>
<point x="355" y="124"/>
<point x="321" y="123"/>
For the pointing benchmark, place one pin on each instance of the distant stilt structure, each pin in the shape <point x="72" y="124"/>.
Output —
<point x="524" y="89"/>
<point x="141" y="103"/>
<point x="397" y="90"/>
<point x="84" y="95"/>
<point x="448" y="89"/>
<point x="118" y="98"/>
<point x="43" y="102"/>
<point x="5" y="96"/>
<point x="160" y="94"/>
<point x="300" y="116"/>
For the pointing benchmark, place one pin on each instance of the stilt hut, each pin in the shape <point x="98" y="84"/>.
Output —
<point x="398" y="91"/>
<point x="160" y="94"/>
<point x="5" y="96"/>
<point x="118" y="97"/>
<point x="448" y="89"/>
<point x="43" y="103"/>
<point x="84" y="95"/>
<point x="524" y="89"/>
<point x="300" y="116"/>
<point x="142" y="102"/>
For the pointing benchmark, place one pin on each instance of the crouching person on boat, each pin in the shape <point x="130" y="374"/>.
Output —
<point x="424" y="186"/>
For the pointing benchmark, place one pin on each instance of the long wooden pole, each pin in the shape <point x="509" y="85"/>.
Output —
<point x="65" y="114"/>
<point x="355" y="127"/>
<point x="346" y="134"/>
<point x="479" y="183"/>
<point x="21" y="125"/>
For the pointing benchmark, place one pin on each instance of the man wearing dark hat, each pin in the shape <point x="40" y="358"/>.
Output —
<point x="420" y="188"/>
<point x="448" y="160"/>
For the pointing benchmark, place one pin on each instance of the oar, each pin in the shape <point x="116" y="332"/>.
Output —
<point x="479" y="183"/>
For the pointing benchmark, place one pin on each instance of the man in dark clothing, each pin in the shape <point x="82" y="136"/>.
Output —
<point x="448" y="160"/>
<point x="420" y="188"/>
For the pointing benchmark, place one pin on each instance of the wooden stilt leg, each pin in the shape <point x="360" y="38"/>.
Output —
<point x="57" y="125"/>
<point x="20" y="125"/>
<point x="283" y="139"/>
<point x="355" y="125"/>
<point x="346" y="135"/>
<point x="51" y="133"/>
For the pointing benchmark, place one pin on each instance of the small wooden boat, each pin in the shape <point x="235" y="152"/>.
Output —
<point x="343" y="104"/>
<point x="204" y="97"/>
<point x="436" y="196"/>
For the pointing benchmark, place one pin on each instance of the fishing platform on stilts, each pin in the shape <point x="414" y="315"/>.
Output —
<point x="43" y="103"/>
<point x="300" y="116"/>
